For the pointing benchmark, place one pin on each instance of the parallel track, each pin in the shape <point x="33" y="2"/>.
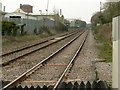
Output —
<point x="29" y="46"/>
<point x="27" y="53"/>
<point x="34" y="68"/>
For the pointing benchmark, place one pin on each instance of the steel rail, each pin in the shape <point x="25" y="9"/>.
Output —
<point x="70" y="63"/>
<point x="12" y="60"/>
<point x="18" y="50"/>
<point x="24" y="75"/>
<point x="23" y="48"/>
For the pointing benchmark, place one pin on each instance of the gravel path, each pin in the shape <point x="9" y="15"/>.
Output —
<point x="86" y="68"/>
<point x="16" y="68"/>
<point x="104" y="71"/>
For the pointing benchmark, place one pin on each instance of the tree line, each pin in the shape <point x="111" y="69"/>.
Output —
<point x="106" y="13"/>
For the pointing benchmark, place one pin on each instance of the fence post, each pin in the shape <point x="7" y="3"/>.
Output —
<point x="116" y="53"/>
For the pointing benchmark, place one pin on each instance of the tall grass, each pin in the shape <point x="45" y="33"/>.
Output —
<point x="104" y="45"/>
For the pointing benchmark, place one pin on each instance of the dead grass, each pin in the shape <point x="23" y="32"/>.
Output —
<point x="103" y="36"/>
<point x="6" y="40"/>
<point x="105" y="50"/>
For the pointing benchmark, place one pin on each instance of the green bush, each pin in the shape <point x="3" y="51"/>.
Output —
<point x="9" y="28"/>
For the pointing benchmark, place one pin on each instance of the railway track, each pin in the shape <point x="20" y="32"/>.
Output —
<point x="69" y="66"/>
<point x="14" y="69"/>
<point x="31" y="45"/>
<point x="17" y="54"/>
<point x="45" y="61"/>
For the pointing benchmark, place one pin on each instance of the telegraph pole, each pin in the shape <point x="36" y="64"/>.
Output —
<point x="100" y="13"/>
<point x="100" y="6"/>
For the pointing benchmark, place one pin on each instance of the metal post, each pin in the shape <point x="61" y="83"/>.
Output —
<point x="116" y="53"/>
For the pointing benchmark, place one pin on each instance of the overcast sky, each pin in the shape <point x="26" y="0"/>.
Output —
<point x="79" y="9"/>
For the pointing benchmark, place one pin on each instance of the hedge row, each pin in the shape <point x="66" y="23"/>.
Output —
<point x="9" y="28"/>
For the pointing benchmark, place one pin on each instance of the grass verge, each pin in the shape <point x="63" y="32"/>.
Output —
<point x="105" y="48"/>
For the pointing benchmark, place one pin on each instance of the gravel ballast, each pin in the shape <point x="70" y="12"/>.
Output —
<point x="54" y="67"/>
<point x="12" y="71"/>
<point x="86" y="67"/>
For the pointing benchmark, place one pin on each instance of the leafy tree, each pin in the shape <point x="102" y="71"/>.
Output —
<point x="110" y="10"/>
<point x="95" y="18"/>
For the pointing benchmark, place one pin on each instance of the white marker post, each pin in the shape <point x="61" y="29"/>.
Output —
<point x="116" y="53"/>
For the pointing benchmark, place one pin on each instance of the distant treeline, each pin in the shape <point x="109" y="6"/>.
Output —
<point x="108" y="11"/>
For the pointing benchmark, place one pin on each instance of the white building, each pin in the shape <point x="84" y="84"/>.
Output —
<point x="19" y="13"/>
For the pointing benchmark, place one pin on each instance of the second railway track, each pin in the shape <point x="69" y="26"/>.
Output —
<point x="16" y="54"/>
<point x="31" y="45"/>
<point x="66" y="64"/>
